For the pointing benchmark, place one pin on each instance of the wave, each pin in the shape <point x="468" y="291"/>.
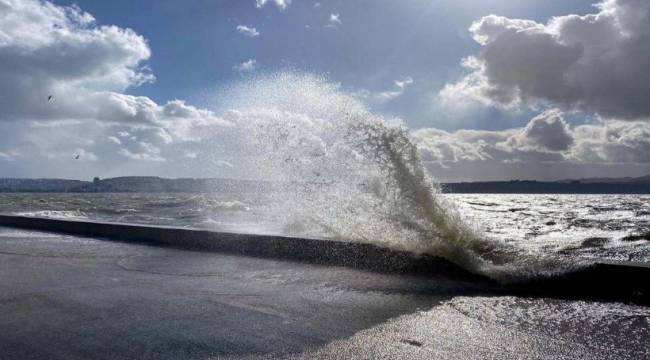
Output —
<point x="58" y="214"/>
<point x="358" y="176"/>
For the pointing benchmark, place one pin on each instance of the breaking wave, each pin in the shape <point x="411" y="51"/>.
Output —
<point x="60" y="214"/>
<point x="357" y="176"/>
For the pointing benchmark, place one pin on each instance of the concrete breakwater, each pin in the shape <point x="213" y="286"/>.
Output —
<point x="315" y="251"/>
<point x="617" y="281"/>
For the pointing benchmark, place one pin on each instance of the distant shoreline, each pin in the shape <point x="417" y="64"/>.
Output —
<point x="539" y="187"/>
<point x="150" y="184"/>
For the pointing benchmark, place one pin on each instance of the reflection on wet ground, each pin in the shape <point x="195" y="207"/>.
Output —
<point x="64" y="297"/>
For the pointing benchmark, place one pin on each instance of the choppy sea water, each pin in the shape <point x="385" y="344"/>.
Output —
<point x="611" y="227"/>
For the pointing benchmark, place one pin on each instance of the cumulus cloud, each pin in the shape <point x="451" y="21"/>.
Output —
<point x="50" y="50"/>
<point x="58" y="51"/>
<point x="281" y="4"/>
<point x="547" y="132"/>
<point x="248" y="31"/>
<point x="597" y="62"/>
<point x="546" y="137"/>
<point x="247" y="66"/>
<point x="612" y="142"/>
<point x="47" y="49"/>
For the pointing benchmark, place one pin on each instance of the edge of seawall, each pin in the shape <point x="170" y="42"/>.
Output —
<point x="315" y="251"/>
<point x="609" y="281"/>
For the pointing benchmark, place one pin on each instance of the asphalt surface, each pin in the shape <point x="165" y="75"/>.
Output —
<point x="69" y="297"/>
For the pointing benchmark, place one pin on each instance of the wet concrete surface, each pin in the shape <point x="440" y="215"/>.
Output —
<point x="69" y="297"/>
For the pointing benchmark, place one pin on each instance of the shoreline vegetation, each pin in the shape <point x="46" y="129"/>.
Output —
<point x="152" y="184"/>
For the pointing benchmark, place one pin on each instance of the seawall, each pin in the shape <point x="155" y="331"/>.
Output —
<point x="610" y="281"/>
<point x="315" y="251"/>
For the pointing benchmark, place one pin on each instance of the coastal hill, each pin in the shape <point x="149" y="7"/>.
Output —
<point x="627" y="185"/>
<point x="152" y="184"/>
<point x="129" y="184"/>
<point x="40" y="185"/>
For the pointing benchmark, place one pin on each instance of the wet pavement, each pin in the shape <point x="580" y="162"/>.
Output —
<point x="69" y="297"/>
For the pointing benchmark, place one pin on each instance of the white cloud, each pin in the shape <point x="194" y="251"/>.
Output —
<point x="547" y="147"/>
<point x="335" y="19"/>
<point x="48" y="49"/>
<point x="247" y="66"/>
<point x="8" y="155"/>
<point x="53" y="50"/>
<point x="144" y="156"/>
<point x="248" y="31"/>
<point x="596" y="62"/>
<point x="281" y="4"/>
<point x="381" y="97"/>
<point x="546" y="137"/>
<point x="223" y="163"/>
<point x="402" y="84"/>
<point x="612" y="142"/>
<point x="143" y="150"/>
<point x="114" y="140"/>
<point x="88" y="68"/>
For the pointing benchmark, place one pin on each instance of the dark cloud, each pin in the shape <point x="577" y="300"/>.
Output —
<point x="547" y="132"/>
<point x="596" y="62"/>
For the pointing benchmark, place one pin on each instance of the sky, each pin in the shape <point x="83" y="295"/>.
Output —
<point x="490" y="90"/>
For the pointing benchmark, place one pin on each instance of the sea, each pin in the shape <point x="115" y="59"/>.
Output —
<point x="572" y="228"/>
<point x="519" y="235"/>
<point x="591" y="227"/>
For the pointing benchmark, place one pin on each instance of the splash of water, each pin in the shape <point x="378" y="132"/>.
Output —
<point x="357" y="176"/>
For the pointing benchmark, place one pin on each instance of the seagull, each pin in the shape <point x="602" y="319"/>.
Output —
<point x="49" y="98"/>
<point x="77" y="157"/>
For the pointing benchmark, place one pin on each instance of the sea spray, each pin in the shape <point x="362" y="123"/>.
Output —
<point x="357" y="176"/>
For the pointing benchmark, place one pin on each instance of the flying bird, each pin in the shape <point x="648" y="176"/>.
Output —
<point x="77" y="157"/>
<point x="49" y="98"/>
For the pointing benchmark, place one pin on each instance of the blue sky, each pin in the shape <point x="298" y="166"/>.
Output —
<point x="490" y="89"/>
<point x="195" y="44"/>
